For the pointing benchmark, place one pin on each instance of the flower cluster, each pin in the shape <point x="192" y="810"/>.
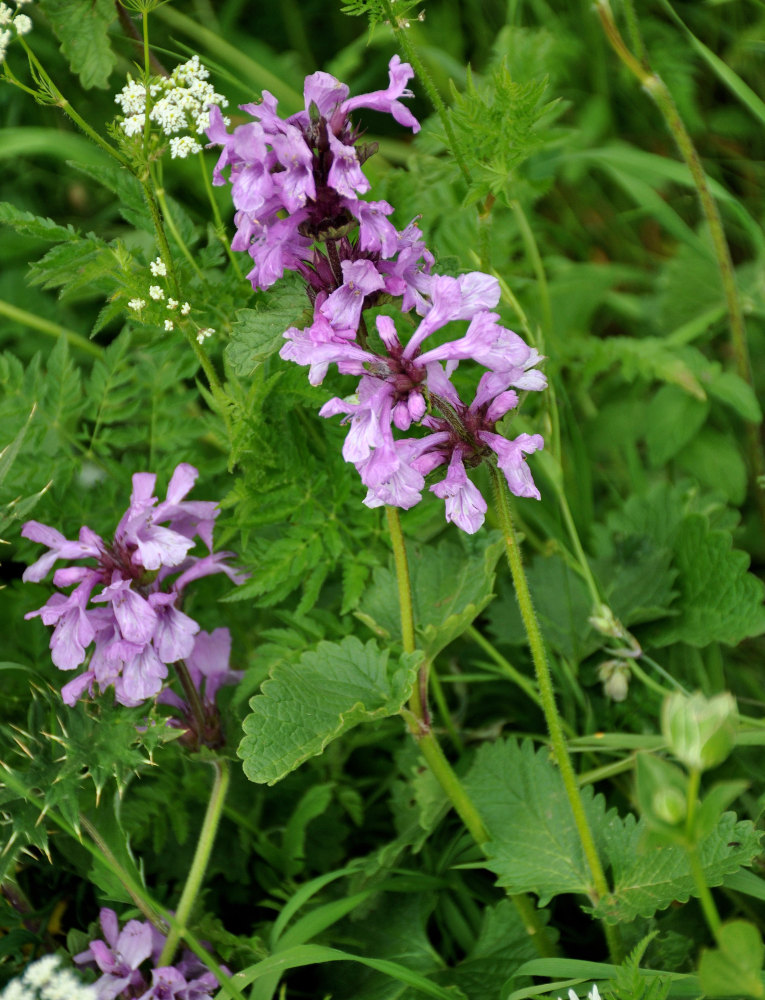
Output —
<point x="179" y="104"/>
<point x="172" y="306"/>
<point x="296" y="184"/>
<point x="121" y="955"/>
<point x="46" y="980"/>
<point x="128" y="603"/>
<point x="12" y="24"/>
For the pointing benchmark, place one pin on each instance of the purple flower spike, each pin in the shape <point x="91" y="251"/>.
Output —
<point x="119" y="956"/>
<point x="139" y="626"/>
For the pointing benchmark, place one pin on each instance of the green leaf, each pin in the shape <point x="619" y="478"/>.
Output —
<point x="671" y="419"/>
<point x="650" y="878"/>
<point x="719" y="600"/>
<point x="503" y="945"/>
<point x="305" y="706"/>
<point x="83" y="30"/>
<point x="734" y="967"/>
<point x="451" y="584"/>
<point x="533" y="846"/>
<point x="34" y="225"/>
<point x="258" y="333"/>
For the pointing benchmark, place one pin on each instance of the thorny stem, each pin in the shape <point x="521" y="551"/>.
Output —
<point x="544" y="680"/>
<point x="427" y="81"/>
<point x="199" y="864"/>
<point x="658" y="91"/>
<point x="428" y="744"/>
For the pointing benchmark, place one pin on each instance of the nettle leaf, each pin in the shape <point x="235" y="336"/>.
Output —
<point x="258" y="333"/>
<point x="719" y="600"/>
<point x="306" y="705"/>
<point x="34" y="225"/>
<point x="451" y="584"/>
<point x="650" y="878"/>
<point x="534" y="846"/>
<point x="83" y="30"/>
<point x="74" y="265"/>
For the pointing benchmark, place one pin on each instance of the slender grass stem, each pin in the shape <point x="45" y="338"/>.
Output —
<point x="419" y="726"/>
<point x="199" y="864"/>
<point x="659" y="93"/>
<point x="167" y="215"/>
<point x="220" y="229"/>
<point x="544" y="680"/>
<point x="519" y="679"/>
<point x="35" y="322"/>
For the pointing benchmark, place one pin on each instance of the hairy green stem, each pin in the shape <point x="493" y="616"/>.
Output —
<point x="35" y="322"/>
<point x="419" y="726"/>
<point x="658" y="91"/>
<point x="199" y="864"/>
<point x="600" y="886"/>
<point x="58" y="99"/>
<point x="427" y="81"/>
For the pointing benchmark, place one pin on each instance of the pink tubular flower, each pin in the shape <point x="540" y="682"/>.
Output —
<point x="137" y="626"/>
<point x="297" y="180"/>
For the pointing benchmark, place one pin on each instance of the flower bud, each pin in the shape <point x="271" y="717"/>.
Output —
<point x="700" y="731"/>
<point x="615" y="677"/>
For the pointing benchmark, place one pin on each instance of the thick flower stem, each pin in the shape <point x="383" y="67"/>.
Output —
<point x="199" y="864"/>
<point x="659" y="93"/>
<point x="544" y="680"/>
<point x="418" y="720"/>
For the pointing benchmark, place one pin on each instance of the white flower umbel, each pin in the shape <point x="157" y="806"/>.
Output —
<point x="156" y="292"/>
<point x="46" y="980"/>
<point x="136" y="304"/>
<point x="158" y="268"/>
<point x="6" y="14"/>
<point x="169" y="326"/>
<point x="22" y="24"/>
<point x="178" y="105"/>
<point x="204" y="333"/>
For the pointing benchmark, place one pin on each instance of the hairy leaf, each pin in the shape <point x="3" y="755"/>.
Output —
<point x="305" y="706"/>
<point x="83" y="30"/>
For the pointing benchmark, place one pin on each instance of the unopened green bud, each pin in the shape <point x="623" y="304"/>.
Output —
<point x="700" y="731"/>
<point x="669" y="805"/>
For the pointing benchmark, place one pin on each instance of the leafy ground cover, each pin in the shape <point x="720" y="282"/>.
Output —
<point x="402" y="365"/>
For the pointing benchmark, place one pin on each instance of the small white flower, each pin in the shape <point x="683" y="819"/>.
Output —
<point x="156" y="292"/>
<point x="172" y="303"/>
<point x="182" y="146"/>
<point x="6" y="14"/>
<point x="185" y="309"/>
<point x="22" y="24"/>
<point x="204" y="333"/>
<point x="5" y="37"/>
<point x="136" y="304"/>
<point x="39" y="972"/>
<point x="158" y="268"/>
<point x="169" y="325"/>
<point x="134" y="125"/>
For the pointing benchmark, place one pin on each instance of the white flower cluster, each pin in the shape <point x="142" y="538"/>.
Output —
<point x="12" y="23"/>
<point x="158" y="269"/>
<point x="179" y="103"/>
<point x="45" y="980"/>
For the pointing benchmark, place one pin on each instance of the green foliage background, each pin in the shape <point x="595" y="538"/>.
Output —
<point x="567" y="184"/>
